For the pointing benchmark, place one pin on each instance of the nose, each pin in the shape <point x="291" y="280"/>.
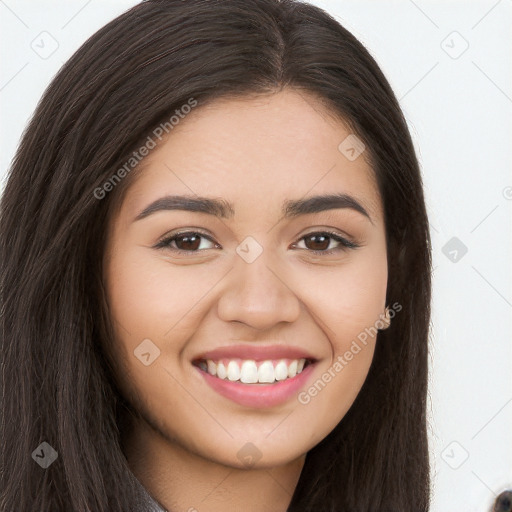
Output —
<point x="258" y="295"/>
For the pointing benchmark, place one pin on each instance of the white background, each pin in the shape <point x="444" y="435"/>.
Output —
<point x="458" y="103"/>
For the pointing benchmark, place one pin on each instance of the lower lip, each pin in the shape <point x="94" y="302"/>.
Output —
<point x="258" y="395"/>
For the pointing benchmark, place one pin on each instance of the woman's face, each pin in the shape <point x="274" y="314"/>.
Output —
<point x="254" y="284"/>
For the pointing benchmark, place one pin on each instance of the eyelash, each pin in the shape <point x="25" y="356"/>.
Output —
<point x="344" y="243"/>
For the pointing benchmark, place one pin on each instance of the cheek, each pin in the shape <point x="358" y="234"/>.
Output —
<point x="346" y="305"/>
<point x="348" y="299"/>
<point x="328" y="398"/>
<point x="347" y="311"/>
<point x="151" y="306"/>
<point x="149" y="296"/>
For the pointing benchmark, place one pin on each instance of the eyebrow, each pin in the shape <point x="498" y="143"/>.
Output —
<point x="224" y="209"/>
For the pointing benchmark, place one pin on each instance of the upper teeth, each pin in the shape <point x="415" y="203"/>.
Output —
<point x="250" y="372"/>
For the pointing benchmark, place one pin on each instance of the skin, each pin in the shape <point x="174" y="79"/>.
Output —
<point x="255" y="153"/>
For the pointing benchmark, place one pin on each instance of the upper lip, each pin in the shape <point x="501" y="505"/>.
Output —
<point x="257" y="353"/>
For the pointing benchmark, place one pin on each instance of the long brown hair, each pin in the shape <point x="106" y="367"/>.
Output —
<point x="124" y="80"/>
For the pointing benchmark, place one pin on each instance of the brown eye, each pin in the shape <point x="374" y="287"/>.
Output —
<point x="319" y="242"/>
<point x="190" y="241"/>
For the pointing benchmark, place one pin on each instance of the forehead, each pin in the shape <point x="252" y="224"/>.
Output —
<point x="256" y="153"/>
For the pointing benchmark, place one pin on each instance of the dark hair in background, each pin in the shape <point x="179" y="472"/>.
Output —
<point x="55" y="332"/>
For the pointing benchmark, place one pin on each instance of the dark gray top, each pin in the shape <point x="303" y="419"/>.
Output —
<point x="146" y="502"/>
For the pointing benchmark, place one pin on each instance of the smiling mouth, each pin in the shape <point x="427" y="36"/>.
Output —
<point x="249" y="371"/>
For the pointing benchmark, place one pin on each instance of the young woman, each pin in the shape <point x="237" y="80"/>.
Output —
<point x="215" y="273"/>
